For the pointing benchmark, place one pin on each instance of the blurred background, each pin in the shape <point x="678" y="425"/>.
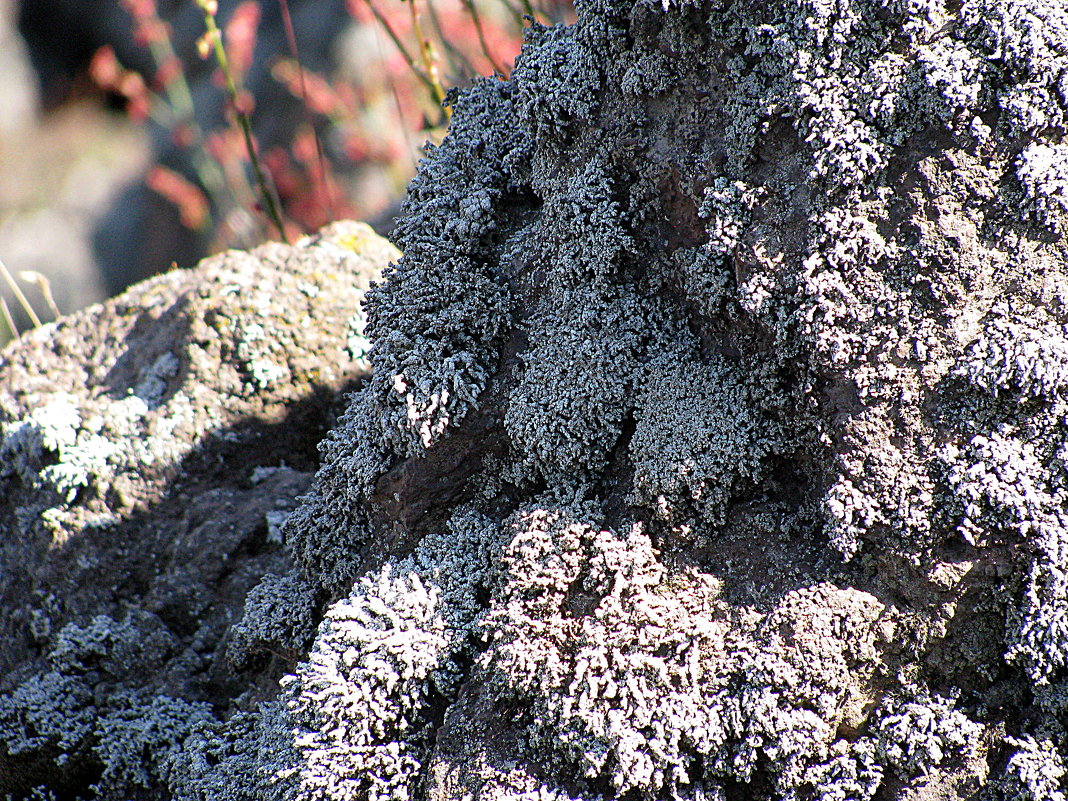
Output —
<point x="125" y="126"/>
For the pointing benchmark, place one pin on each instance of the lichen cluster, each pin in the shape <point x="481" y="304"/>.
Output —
<point x="93" y="706"/>
<point x="128" y="538"/>
<point x="715" y="443"/>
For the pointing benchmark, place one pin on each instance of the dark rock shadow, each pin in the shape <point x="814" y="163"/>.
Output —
<point x="186" y="562"/>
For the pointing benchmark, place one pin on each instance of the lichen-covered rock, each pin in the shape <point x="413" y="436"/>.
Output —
<point x="150" y="449"/>
<point x="93" y="722"/>
<point x="742" y="327"/>
<point x="356" y="719"/>
<point x="715" y="446"/>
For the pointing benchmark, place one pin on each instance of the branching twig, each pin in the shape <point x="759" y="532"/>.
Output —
<point x="473" y="11"/>
<point x="395" y="38"/>
<point x="430" y="65"/>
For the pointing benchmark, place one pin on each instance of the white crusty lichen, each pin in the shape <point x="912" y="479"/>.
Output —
<point x="852" y="775"/>
<point x="434" y="401"/>
<point x="559" y="79"/>
<point x="279" y="617"/>
<point x="359" y="704"/>
<point x="1002" y="483"/>
<point x="129" y="731"/>
<point x="251" y="755"/>
<point x="638" y="675"/>
<point x="954" y="73"/>
<point x="430" y="370"/>
<point x="153" y="380"/>
<point x="48" y="711"/>
<point x="1042" y="170"/>
<point x="1035" y="771"/>
<point x="139" y="738"/>
<point x="1028" y="41"/>
<point x="916" y="732"/>
<point x="762" y="280"/>
<point x="912" y="738"/>
<point x="617" y="692"/>
<point x="850" y="513"/>
<point x="1016" y="356"/>
<point x="437" y="322"/>
<point x="1006" y="489"/>
<point x="350" y="724"/>
<point x="727" y="207"/>
<point x="51" y="448"/>
<point x="583" y="230"/>
<point x="705" y="273"/>
<point x="1039" y="634"/>
<point x="328" y="527"/>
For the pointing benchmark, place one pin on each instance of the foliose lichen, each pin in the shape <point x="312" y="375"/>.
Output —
<point x="88" y="708"/>
<point x="729" y="322"/>
<point x="661" y="351"/>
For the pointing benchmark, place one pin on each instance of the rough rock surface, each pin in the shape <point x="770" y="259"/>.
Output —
<point x="715" y="442"/>
<point x="150" y="449"/>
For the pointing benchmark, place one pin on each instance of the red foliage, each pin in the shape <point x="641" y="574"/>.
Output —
<point x="318" y="94"/>
<point x="240" y="37"/>
<point x="169" y="71"/>
<point x="186" y="196"/>
<point x="375" y="119"/>
<point x="105" y="70"/>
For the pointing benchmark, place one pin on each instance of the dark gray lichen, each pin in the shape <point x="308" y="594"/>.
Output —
<point x="279" y="617"/>
<point x="92" y="707"/>
<point x="699" y="440"/>
<point x="751" y="301"/>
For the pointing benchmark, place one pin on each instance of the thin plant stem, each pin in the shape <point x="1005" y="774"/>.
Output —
<point x="395" y="38"/>
<point x="9" y="321"/>
<point x="518" y="12"/>
<point x="44" y="286"/>
<point x="215" y="39"/>
<point x="522" y="9"/>
<point x="397" y="103"/>
<point x="429" y="62"/>
<point x="180" y="104"/>
<point x="477" y="19"/>
<point x="458" y="61"/>
<point x="23" y="302"/>
<point x="291" y="38"/>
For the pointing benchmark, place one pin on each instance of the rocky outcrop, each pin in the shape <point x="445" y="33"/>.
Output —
<point x="714" y="445"/>
<point x="150" y="449"/>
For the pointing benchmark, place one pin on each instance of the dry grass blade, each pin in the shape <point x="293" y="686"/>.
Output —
<point x="44" y="286"/>
<point x="17" y="292"/>
<point x="9" y="321"/>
